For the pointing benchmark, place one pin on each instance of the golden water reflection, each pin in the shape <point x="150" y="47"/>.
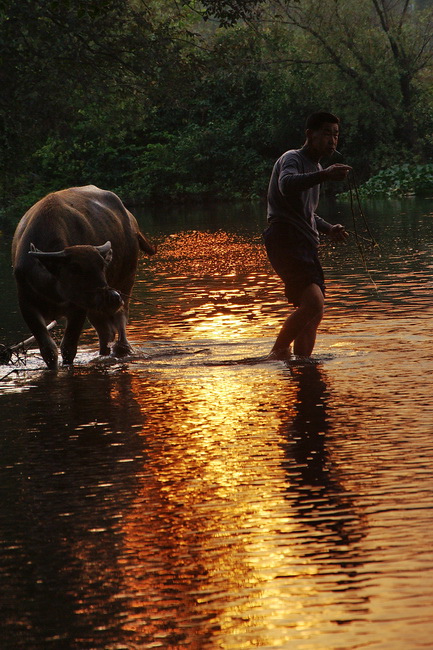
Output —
<point x="236" y="476"/>
<point x="206" y="285"/>
<point x="181" y="499"/>
<point x="219" y="285"/>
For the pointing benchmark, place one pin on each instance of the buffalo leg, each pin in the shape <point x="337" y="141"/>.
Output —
<point x="121" y="348"/>
<point x="106" y="331"/>
<point x="107" y="327"/>
<point x="69" y="344"/>
<point x="38" y="328"/>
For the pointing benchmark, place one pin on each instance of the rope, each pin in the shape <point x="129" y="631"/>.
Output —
<point x="354" y="195"/>
<point x="143" y="302"/>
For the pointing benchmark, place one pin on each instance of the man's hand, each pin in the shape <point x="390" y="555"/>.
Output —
<point x="338" y="233"/>
<point x="337" y="172"/>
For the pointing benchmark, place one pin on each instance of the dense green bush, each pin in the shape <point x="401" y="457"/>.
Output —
<point x="400" y="180"/>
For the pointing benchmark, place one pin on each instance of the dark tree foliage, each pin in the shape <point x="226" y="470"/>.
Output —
<point x="229" y="13"/>
<point x="76" y="75"/>
<point x="147" y="98"/>
<point x="51" y="48"/>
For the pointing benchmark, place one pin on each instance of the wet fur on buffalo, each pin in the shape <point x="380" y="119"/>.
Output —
<point x="75" y="255"/>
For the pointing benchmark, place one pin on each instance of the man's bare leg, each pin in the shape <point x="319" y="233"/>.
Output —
<point x="303" y="345"/>
<point x="301" y="326"/>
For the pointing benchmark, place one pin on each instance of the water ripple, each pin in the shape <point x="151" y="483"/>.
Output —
<point x="193" y="495"/>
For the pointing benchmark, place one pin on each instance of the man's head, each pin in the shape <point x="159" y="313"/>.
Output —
<point x="322" y="131"/>
<point x="315" y="121"/>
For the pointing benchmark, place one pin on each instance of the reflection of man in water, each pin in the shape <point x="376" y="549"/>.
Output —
<point x="316" y="474"/>
<point x="292" y="236"/>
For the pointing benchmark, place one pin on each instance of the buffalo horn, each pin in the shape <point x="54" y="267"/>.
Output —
<point x="37" y="253"/>
<point x="104" y="248"/>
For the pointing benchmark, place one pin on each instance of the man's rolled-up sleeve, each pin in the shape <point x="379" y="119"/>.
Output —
<point x="322" y="225"/>
<point x="290" y="178"/>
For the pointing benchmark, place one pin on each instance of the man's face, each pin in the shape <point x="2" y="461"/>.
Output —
<point x="323" y="141"/>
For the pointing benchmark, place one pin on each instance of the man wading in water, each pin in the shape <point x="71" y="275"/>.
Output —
<point x="292" y="236"/>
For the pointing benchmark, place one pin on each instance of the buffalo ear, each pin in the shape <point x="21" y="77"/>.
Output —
<point x="106" y="251"/>
<point x="108" y="257"/>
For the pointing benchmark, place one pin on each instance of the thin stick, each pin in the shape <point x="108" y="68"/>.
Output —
<point x="19" y="370"/>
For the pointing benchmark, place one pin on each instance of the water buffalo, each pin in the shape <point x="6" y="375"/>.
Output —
<point x="74" y="255"/>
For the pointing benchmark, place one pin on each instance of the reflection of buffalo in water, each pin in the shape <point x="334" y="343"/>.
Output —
<point x="73" y="462"/>
<point x="63" y="268"/>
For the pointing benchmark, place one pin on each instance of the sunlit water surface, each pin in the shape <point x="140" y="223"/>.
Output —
<point x="193" y="496"/>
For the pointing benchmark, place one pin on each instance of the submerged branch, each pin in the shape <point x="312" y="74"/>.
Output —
<point x="7" y="351"/>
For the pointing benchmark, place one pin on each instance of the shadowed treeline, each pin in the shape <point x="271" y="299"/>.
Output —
<point x="164" y="101"/>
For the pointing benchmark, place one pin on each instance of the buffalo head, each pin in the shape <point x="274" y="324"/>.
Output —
<point x="79" y="276"/>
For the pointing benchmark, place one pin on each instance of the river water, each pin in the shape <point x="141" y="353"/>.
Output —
<point x="192" y="497"/>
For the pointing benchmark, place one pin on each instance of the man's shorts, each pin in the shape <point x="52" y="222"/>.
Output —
<point x="294" y="259"/>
